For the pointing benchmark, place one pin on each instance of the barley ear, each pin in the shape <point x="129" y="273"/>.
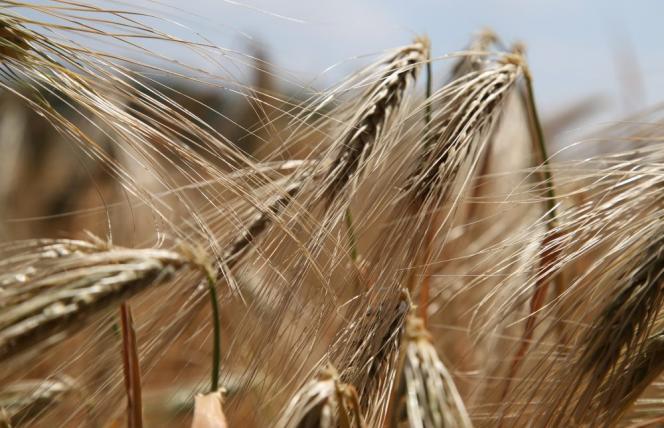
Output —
<point x="323" y="402"/>
<point x="60" y="286"/>
<point x="424" y="394"/>
<point x="381" y="100"/>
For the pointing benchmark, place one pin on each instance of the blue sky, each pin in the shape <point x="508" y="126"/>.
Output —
<point x="574" y="47"/>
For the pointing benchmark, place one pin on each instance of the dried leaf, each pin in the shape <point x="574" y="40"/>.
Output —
<point x="208" y="412"/>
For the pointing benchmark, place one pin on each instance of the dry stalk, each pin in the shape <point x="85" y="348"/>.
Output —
<point x="550" y="245"/>
<point x="132" y="369"/>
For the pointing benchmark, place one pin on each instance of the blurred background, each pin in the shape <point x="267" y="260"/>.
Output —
<point x="575" y="49"/>
<point x="593" y="63"/>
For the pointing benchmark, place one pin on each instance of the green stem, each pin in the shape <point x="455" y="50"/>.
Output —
<point x="351" y="236"/>
<point x="216" y="340"/>
<point x="540" y="143"/>
<point x="427" y="111"/>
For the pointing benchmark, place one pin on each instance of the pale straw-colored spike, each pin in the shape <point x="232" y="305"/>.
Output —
<point x="324" y="402"/>
<point x="467" y="114"/>
<point x="425" y="394"/>
<point x="60" y="292"/>
<point x="379" y="102"/>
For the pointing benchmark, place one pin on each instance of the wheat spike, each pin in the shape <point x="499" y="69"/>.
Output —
<point x="638" y="372"/>
<point x="424" y="394"/>
<point x="627" y="319"/>
<point x="323" y="402"/>
<point x="58" y="286"/>
<point x="467" y="113"/>
<point x="618" y="340"/>
<point x="367" y="351"/>
<point x="379" y="103"/>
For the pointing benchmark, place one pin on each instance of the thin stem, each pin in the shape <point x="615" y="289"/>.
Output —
<point x="427" y="108"/>
<point x="540" y="144"/>
<point x="550" y="251"/>
<point x="216" y="332"/>
<point x="351" y="235"/>
<point x="424" y="290"/>
<point x="426" y="275"/>
<point x="132" y="373"/>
